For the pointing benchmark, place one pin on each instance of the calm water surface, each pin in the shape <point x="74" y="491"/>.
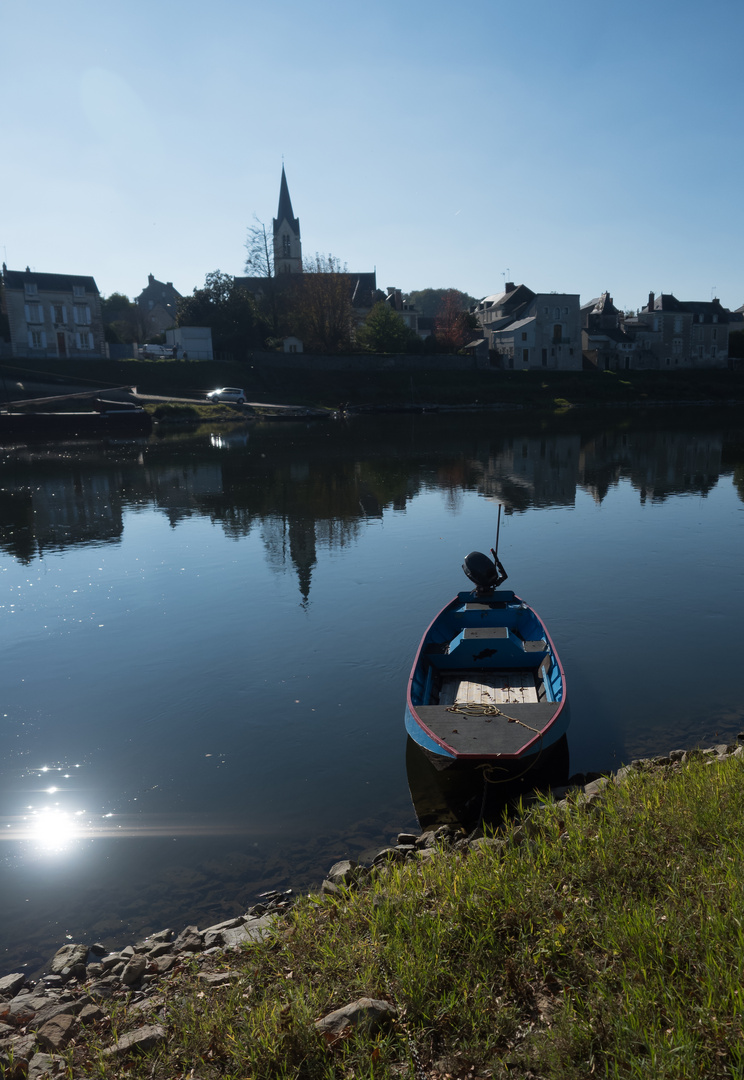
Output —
<point x="207" y="638"/>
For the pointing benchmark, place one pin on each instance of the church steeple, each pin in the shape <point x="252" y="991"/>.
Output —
<point x="287" y="246"/>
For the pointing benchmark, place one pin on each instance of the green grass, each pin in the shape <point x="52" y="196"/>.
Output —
<point x="199" y="412"/>
<point x="603" y="941"/>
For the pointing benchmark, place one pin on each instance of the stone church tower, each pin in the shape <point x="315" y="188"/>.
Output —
<point x="287" y="246"/>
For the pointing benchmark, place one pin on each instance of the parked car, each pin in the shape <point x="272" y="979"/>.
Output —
<point x="154" y="352"/>
<point x="227" y="393"/>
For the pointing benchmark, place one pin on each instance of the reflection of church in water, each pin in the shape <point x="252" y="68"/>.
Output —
<point x="295" y="539"/>
<point x="306" y="502"/>
<point x="291" y="539"/>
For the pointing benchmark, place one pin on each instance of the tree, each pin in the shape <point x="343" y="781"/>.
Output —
<point x="228" y="310"/>
<point x="324" y="311"/>
<point x="429" y="301"/>
<point x="259" y="262"/>
<point x="384" y="330"/>
<point x="4" y="320"/>
<point x="122" y="321"/>
<point x="453" y="326"/>
<point x="736" y="344"/>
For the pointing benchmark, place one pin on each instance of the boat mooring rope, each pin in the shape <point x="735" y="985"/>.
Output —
<point x="466" y="709"/>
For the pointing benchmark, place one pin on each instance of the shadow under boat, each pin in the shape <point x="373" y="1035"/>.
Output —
<point x="471" y="795"/>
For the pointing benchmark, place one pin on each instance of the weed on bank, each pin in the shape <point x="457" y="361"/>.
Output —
<point x="595" y="940"/>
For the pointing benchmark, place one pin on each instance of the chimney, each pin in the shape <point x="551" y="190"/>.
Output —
<point x="651" y="300"/>
<point x="509" y="286"/>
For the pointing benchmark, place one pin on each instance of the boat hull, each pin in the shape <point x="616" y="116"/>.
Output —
<point x="470" y="795"/>
<point x="487" y="685"/>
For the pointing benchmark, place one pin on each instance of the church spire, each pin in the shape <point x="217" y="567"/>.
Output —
<point x="287" y="246"/>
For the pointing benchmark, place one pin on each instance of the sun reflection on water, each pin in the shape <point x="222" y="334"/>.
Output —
<point x="53" y="830"/>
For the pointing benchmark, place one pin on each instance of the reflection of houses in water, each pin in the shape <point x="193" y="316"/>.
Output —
<point x="179" y="490"/>
<point x="657" y="464"/>
<point x="531" y="470"/>
<point x="85" y="504"/>
<point x="318" y="495"/>
<point x="74" y="508"/>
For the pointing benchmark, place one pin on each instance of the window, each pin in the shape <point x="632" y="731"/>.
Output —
<point x="34" y="313"/>
<point x="286" y="249"/>
<point x="82" y="315"/>
<point x="78" y="290"/>
<point x="31" y="290"/>
<point x="524" y="337"/>
<point x="59" y="313"/>
<point x="713" y="334"/>
<point x="677" y="346"/>
<point x="525" y="356"/>
<point x="545" y="358"/>
<point x="678" y="324"/>
<point x="715" y="318"/>
<point x="84" y="340"/>
<point x="37" y="339"/>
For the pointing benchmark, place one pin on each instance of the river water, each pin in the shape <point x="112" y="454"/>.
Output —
<point x="207" y="636"/>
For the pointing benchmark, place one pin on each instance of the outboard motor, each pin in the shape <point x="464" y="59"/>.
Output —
<point x="484" y="573"/>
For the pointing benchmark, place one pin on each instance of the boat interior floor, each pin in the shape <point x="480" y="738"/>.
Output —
<point x="492" y="688"/>
<point x="501" y="712"/>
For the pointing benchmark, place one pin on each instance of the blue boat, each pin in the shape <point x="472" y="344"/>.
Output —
<point x="487" y="686"/>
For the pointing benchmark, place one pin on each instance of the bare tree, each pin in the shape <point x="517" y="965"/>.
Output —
<point x="325" y="309"/>
<point x="259" y="263"/>
<point x="453" y="325"/>
<point x="259" y="260"/>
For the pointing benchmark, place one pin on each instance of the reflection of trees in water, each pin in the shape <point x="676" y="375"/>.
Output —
<point x="307" y="488"/>
<point x="739" y="480"/>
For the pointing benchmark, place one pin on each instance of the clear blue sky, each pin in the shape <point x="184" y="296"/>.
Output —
<point x="571" y="145"/>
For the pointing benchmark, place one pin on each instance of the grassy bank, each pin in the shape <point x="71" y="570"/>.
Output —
<point x="533" y="389"/>
<point x="602" y="939"/>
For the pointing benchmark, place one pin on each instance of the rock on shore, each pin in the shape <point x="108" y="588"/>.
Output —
<point x="40" y="1019"/>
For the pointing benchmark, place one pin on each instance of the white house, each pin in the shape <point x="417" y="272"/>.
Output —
<point x="53" y="315"/>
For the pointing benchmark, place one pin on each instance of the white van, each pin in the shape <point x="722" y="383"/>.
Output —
<point x="153" y="352"/>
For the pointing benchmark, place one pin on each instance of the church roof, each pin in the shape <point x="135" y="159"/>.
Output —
<point x="285" y="212"/>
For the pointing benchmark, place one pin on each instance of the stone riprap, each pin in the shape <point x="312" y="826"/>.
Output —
<point x="38" y="1020"/>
